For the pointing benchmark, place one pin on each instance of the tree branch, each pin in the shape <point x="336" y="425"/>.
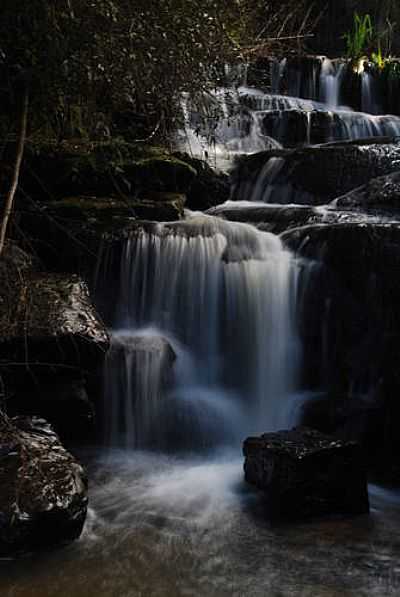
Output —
<point x="17" y="167"/>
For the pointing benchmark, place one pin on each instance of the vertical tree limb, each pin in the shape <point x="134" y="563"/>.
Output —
<point x="9" y="204"/>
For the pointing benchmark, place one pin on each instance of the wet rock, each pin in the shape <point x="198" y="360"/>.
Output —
<point x="64" y="398"/>
<point x="350" y="324"/>
<point x="162" y="173"/>
<point x="312" y="175"/>
<point x="289" y="127"/>
<point x="71" y="235"/>
<point x="359" y="418"/>
<point x="52" y="348"/>
<point x="281" y="218"/>
<point x="53" y="171"/>
<point x="208" y="188"/>
<point x="356" y="252"/>
<point x="381" y="193"/>
<point x="160" y="206"/>
<point x="304" y="473"/>
<point x="51" y="321"/>
<point x="271" y="218"/>
<point x="43" y="489"/>
<point x="295" y="126"/>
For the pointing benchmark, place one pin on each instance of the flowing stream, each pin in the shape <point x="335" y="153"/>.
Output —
<point x="165" y="526"/>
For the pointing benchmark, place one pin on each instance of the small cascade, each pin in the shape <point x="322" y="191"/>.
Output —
<point x="222" y="297"/>
<point x="330" y="82"/>
<point x="277" y="71"/>
<point x="250" y="121"/>
<point x="296" y="77"/>
<point x="138" y="373"/>
<point x="221" y="128"/>
<point x="369" y="93"/>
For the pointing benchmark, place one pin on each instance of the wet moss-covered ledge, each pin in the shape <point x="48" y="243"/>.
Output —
<point x="52" y="170"/>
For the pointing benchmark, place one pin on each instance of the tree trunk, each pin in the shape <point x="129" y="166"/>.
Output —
<point x="8" y="208"/>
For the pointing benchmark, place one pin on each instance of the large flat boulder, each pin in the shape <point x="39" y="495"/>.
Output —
<point x="43" y="489"/>
<point x="304" y="473"/>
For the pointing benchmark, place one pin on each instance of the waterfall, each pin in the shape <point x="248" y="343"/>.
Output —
<point x="250" y="121"/>
<point x="221" y="300"/>
<point x="221" y="127"/>
<point x="330" y="82"/>
<point x="370" y="96"/>
<point x="277" y="71"/>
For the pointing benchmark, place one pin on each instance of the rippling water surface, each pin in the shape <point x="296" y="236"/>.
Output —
<point x="164" y="526"/>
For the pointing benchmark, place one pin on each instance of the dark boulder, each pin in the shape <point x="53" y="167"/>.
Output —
<point x="382" y="193"/>
<point x="52" y="171"/>
<point x="209" y="188"/>
<point x="296" y="126"/>
<point x="50" y="320"/>
<point x="312" y="175"/>
<point x="274" y="218"/>
<point x="304" y="473"/>
<point x="68" y="399"/>
<point x="72" y="234"/>
<point x="289" y="127"/>
<point x="165" y="173"/>
<point x="43" y="489"/>
<point x="52" y="348"/>
<point x="354" y="209"/>
<point x="350" y="328"/>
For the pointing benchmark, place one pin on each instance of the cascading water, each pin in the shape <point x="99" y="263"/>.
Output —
<point x="330" y="82"/>
<point x="205" y="350"/>
<point x="221" y="128"/>
<point x="223" y="297"/>
<point x="370" y="100"/>
<point x="253" y="121"/>
<point x="138" y="373"/>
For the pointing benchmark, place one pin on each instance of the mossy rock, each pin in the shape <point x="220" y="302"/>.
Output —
<point x="52" y="171"/>
<point x="83" y="208"/>
<point x="155" y="205"/>
<point x="209" y="188"/>
<point x="162" y="173"/>
<point x="159" y="207"/>
<point x="68" y="234"/>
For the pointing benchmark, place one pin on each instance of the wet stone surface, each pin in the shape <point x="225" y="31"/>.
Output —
<point x="305" y="473"/>
<point x="44" y="489"/>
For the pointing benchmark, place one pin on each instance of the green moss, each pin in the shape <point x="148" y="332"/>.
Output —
<point x="163" y="173"/>
<point x="102" y="169"/>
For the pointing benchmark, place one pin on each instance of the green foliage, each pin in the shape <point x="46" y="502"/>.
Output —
<point x="105" y="67"/>
<point x="358" y="40"/>
<point x="378" y="59"/>
<point x="108" y="55"/>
